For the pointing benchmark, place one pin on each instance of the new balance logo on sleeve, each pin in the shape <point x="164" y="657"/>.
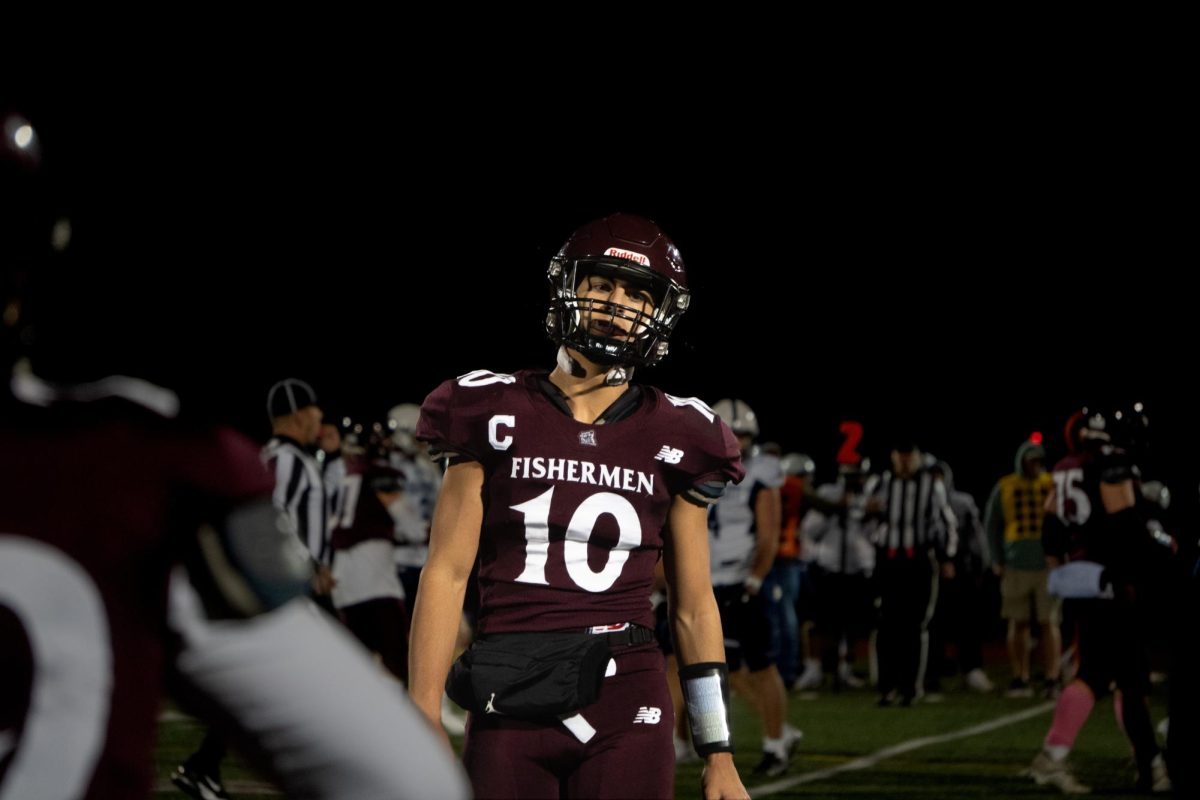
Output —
<point x="648" y="715"/>
<point x="669" y="454"/>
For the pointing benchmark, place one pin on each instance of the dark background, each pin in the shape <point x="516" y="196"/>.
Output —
<point x="966" y="287"/>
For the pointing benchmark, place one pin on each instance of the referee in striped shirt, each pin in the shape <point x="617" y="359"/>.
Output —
<point x="299" y="487"/>
<point x="916" y="531"/>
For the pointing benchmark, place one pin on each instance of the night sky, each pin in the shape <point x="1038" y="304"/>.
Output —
<point x="961" y="291"/>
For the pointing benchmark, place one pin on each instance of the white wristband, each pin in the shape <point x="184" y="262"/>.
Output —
<point x="706" y="698"/>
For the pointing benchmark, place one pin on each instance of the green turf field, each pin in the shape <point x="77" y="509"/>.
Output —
<point x="841" y="734"/>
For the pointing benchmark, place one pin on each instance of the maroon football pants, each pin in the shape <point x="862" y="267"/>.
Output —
<point x="630" y="756"/>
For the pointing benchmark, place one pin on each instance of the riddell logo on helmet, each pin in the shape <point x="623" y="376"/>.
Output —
<point x="628" y="254"/>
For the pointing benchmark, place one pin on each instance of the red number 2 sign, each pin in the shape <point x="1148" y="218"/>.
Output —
<point x="853" y="431"/>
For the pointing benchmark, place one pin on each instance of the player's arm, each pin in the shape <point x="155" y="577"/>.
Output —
<point x="1054" y="533"/>
<point x="695" y="620"/>
<point x="945" y="529"/>
<point x="247" y="561"/>
<point x="696" y="627"/>
<point x="245" y="557"/>
<point x="1123" y="523"/>
<point x="994" y="524"/>
<point x="453" y="544"/>
<point x="768" y="516"/>
<point x="815" y="523"/>
<point x="271" y="676"/>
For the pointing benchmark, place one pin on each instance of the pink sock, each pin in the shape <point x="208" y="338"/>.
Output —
<point x="1074" y="706"/>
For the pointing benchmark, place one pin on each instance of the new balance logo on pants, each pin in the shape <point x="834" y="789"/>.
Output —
<point x="649" y="716"/>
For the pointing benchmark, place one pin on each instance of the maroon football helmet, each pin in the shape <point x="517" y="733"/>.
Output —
<point x="629" y="248"/>
<point x="1087" y="428"/>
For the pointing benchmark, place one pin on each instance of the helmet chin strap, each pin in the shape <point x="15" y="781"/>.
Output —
<point x="617" y="374"/>
<point x="570" y="365"/>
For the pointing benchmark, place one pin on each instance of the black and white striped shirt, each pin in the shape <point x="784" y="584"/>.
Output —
<point x="916" y="517"/>
<point x="300" y="493"/>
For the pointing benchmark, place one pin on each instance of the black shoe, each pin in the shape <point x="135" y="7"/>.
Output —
<point x="771" y="766"/>
<point x="197" y="784"/>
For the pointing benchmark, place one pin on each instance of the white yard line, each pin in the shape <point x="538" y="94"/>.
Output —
<point x="869" y="761"/>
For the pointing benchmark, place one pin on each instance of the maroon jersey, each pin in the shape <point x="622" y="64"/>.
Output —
<point x="1078" y="506"/>
<point x="362" y="516"/>
<point x="95" y="501"/>
<point x="573" y="513"/>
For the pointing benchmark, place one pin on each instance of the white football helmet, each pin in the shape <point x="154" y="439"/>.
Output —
<point x="798" y="464"/>
<point x="402" y="420"/>
<point x="738" y="416"/>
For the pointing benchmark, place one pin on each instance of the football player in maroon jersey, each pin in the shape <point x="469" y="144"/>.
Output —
<point x="1093" y="522"/>
<point x="104" y="490"/>
<point x="367" y="591"/>
<point x="569" y="485"/>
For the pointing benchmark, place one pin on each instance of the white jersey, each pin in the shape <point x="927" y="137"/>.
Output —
<point x="422" y="481"/>
<point x="364" y="572"/>
<point x="731" y="525"/>
<point x="841" y="543"/>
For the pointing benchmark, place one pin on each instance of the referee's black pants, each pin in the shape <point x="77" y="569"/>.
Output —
<point x="907" y="589"/>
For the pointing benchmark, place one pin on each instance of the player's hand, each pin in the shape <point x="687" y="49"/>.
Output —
<point x="720" y="781"/>
<point x="322" y="580"/>
<point x="433" y="716"/>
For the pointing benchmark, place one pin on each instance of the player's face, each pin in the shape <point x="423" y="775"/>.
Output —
<point x="905" y="464"/>
<point x="310" y="423"/>
<point x="618" y="321"/>
<point x="389" y="498"/>
<point x="330" y="438"/>
<point x="1033" y="466"/>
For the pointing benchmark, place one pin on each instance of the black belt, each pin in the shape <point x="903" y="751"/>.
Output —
<point x="634" y="634"/>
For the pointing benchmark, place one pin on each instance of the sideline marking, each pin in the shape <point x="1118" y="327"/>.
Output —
<point x="868" y="761"/>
